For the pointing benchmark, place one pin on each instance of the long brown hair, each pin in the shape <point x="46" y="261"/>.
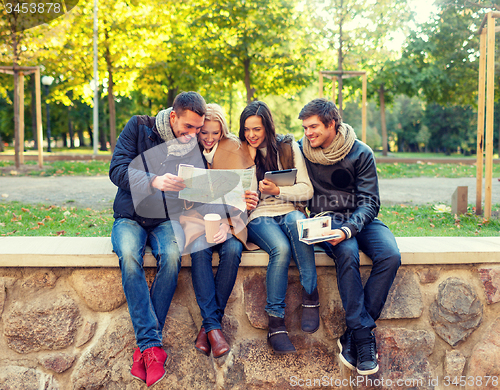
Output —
<point x="269" y="162"/>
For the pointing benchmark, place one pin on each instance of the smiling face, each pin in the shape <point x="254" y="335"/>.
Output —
<point x="210" y="134"/>
<point x="186" y="126"/>
<point x="317" y="133"/>
<point x="255" y="133"/>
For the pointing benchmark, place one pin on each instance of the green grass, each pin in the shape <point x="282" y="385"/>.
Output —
<point x="385" y="170"/>
<point x="48" y="220"/>
<point x="18" y="219"/>
<point x="429" y="220"/>
<point x="403" y="170"/>
<point x="57" y="168"/>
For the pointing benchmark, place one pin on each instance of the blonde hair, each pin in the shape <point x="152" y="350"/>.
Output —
<point x="216" y="113"/>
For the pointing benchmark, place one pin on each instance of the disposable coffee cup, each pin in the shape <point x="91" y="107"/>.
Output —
<point x="212" y="223"/>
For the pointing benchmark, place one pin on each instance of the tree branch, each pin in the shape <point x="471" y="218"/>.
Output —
<point x="496" y="7"/>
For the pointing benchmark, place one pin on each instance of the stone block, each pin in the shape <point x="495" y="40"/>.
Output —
<point x="106" y="365"/>
<point x="23" y="378"/>
<point x="41" y="324"/>
<point x="58" y="363"/>
<point x="86" y="333"/>
<point x="255" y="366"/>
<point x="454" y="363"/>
<point x="403" y="354"/>
<point x="459" y="200"/>
<point x="187" y="367"/>
<point x="490" y="277"/>
<point x="40" y="279"/>
<point x="254" y="287"/>
<point x="404" y="299"/>
<point x="456" y="312"/>
<point x="485" y="359"/>
<point x="429" y="275"/>
<point x="101" y="289"/>
<point x="331" y="311"/>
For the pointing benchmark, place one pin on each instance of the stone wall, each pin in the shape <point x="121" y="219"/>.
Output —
<point x="69" y="328"/>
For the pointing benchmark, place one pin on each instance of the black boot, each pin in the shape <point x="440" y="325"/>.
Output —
<point x="366" y="349"/>
<point x="310" y="311"/>
<point x="278" y="336"/>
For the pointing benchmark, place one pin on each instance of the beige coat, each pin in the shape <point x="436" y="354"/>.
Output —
<point x="229" y="155"/>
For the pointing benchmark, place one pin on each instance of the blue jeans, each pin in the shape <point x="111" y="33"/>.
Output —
<point x="279" y="237"/>
<point x="363" y="305"/>
<point x="212" y="293"/>
<point x="148" y="309"/>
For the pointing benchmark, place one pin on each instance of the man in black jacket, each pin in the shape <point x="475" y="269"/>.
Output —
<point x="146" y="210"/>
<point x="344" y="176"/>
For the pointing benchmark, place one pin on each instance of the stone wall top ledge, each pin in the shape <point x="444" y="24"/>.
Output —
<point x="98" y="252"/>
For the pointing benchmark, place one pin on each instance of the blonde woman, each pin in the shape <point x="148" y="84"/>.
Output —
<point x="221" y="150"/>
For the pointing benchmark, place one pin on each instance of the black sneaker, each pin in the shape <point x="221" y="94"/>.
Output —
<point x="348" y="354"/>
<point x="367" y="351"/>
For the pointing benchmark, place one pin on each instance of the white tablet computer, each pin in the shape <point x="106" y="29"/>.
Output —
<point x="286" y="177"/>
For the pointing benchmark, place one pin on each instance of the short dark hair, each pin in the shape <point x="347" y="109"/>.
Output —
<point x="326" y="111"/>
<point x="191" y="101"/>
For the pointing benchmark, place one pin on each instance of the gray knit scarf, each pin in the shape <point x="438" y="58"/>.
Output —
<point x="338" y="149"/>
<point x="174" y="147"/>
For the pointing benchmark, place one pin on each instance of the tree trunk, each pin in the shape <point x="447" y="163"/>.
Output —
<point x="381" y="95"/>
<point x="250" y="90"/>
<point x="17" y="137"/>
<point x="172" y="93"/>
<point x="1" y="143"/>
<point x="91" y="134"/>
<point x="81" y="137"/>
<point x="102" y="140"/>
<point x="70" y="131"/>
<point x="340" y="61"/>
<point x="64" y="137"/>
<point x="111" y="98"/>
<point x="33" y="110"/>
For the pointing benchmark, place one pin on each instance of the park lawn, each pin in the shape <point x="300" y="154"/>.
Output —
<point x="48" y="220"/>
<point x="56" y="168"/>
<point x="385" y="170"/>
<point x="18" y="219"/>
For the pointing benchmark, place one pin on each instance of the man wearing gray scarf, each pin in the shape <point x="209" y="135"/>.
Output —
<point x="146" y="209"/>
<point x="344" y="176"/>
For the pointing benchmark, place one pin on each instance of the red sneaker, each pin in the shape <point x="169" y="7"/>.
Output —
<point x="138" y="369"/>
<point x="154" y="359"/>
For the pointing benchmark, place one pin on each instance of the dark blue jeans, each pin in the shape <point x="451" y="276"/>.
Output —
<point x="279" y="237"/>
<point x="212" y="292"/>
<point x="363" y="305"/>
<point x="148" y="309"/>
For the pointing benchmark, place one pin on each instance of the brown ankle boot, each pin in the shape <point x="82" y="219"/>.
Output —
<point x="201" y="343"/>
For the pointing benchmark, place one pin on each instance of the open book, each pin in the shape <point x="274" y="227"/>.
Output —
<point x="311" y="230"/>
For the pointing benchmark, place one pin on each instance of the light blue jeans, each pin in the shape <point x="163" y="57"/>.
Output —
<point x="148" y="309"/>
<point x="279" y="237"/>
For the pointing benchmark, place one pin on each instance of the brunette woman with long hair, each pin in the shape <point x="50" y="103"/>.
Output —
<point x="273" y="223"/>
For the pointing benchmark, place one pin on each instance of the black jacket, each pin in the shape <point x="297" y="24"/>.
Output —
<point x="139" y="156"/>
<point x="348" y="189"/>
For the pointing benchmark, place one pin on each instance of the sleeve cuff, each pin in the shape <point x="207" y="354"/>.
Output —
<point x="351" y="229"/>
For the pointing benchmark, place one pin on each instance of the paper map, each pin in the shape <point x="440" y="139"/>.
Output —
<point x="220" y="186"/>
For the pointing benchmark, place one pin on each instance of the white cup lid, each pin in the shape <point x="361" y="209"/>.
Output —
<point x="212" y="217"/>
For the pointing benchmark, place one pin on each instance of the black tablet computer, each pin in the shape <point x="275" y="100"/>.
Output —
<point x="285" y="177"/>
